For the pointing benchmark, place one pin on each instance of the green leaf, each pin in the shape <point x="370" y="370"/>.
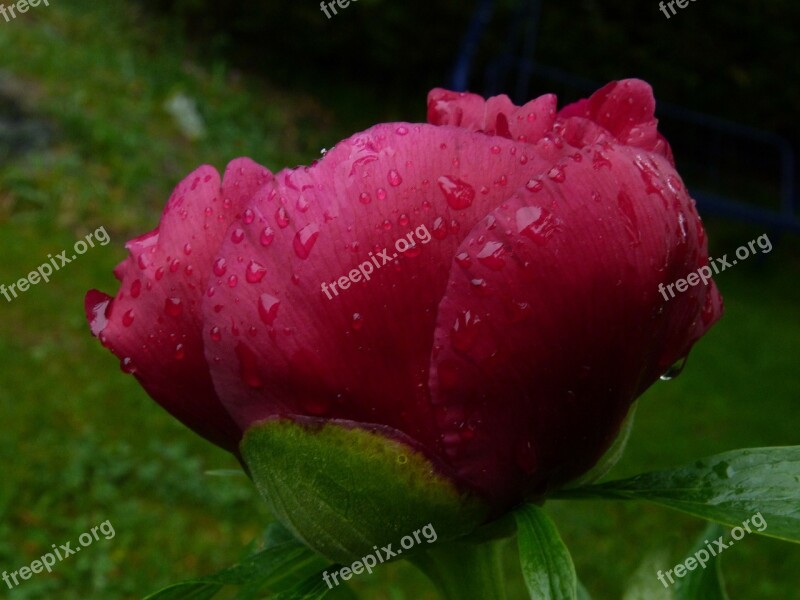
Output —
<point x="583" y="594"/>
<point x="313" y="588"/>
<point x="270" y="567"/>
<point x="728" y="488"/>
<point x="343" y="490"/>
<point x="546" y="563"/>
<point x="703" y="583"/>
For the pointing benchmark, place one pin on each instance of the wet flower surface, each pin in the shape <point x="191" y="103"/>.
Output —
<point x="509" y="349"/>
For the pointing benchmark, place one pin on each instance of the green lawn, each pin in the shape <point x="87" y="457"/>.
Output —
<point x="83" y="443"/>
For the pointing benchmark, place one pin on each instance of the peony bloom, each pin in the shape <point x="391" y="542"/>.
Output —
<point x="504" y="340"/>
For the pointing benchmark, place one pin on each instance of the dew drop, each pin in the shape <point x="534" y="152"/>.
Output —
<point x="459" y="194"/>
<point x="281" y="217"/>
<point x="237" y="235"/>
<point x="536" y="223"/>
<point x="173" y="307"/>
<point x="220" y="267"/>
<point x="675" y="370"/>
<point x="492" y="255"/>
<point x="305" y="239"/>
<point x="267" y="235"/>
<point x="465" y="330"/>
<point x="255" y="272"/>
<point x="268" y="306"/>
<point x="394" y="178"/>
<point x="127" y="318"/>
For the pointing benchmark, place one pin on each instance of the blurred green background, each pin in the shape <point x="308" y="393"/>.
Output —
<point x="86" y="141"/>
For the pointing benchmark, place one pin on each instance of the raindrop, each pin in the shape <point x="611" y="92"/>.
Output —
<point x="267" y="236"/>
<point x="220" y="266"/>
<point x="127" y="318"/>
<point x="281" y="217"/>
<point x="675" y="370"/>
<point x="255" y="272"/>
<point x="557" y="174"/>
<point x="459" y="194"/>
<point x="173" y="307"/>
<point x="394" y="178"/>
<point x="215" y="334"/>
<point x="305" y="239"/>
<point x="465" y="330"/>
<point x="492" y="255"/>
<point x="237" y="235"/>
<point x="268" y="306"/>
<point x="536" y="223"/>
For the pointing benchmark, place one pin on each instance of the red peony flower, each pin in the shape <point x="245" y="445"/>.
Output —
<point x="505" y="338"/>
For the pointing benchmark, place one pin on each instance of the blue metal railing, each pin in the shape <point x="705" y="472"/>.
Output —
<point x="516" y="62"/>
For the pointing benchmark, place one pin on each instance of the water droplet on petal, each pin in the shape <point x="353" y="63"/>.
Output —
<point x="536" y="223"/>
<point x="463" y="260"/>
<point x="557" y="174"/>
<point x="232" y="281"/>
<point x="180" y="352"/>
<point x="248" y="216"/>
<point x="268" y="306"/>
<point x="187" y="249"/>
<point x="492" y="255"/>
<point x="255" y="272"/>
<point x="305" y="239"/>
<point x="220" y="266"/>
<point x="173" y="307"/>
<point x="127" y="318"/>
<point x="267" y="236"/>
<point x="215" y="334"/>
<point x="356" y="322"/>
<point x="675" y="370"/>
<point x="364" y="198"/>
<point x="127" y="365"/>
<point x="237" y="235"/>
<point x="465" y="330"/>
<point x="394" y="178"/>
<point x="281" y="217"/>
<point x="439" y="228"/>
<point x="136" y="288"/>
<point x="459" y="194"/>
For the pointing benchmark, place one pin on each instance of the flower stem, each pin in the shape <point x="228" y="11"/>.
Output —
<point x="464" y="570"/>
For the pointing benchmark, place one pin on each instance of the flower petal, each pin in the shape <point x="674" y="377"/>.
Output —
<point x="154" y="324"/>
<point x="552" y="323"/>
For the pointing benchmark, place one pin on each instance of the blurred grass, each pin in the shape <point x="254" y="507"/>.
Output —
<point x="84" y="444"/>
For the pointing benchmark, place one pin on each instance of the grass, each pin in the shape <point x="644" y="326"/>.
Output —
<point x="83" y="444"/>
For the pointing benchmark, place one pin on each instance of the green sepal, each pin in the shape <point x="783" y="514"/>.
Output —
<point x="344" y="490"/>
